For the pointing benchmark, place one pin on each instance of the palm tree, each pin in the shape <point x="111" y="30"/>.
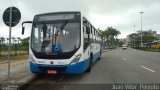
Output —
<point x="0" y="47"/>
<point x="7" y="41"/>
<point x="19" y="40"/>
<point x="25" y="44"/>
<point x="15" y="46"/>
<point x="13" y="39"/>
<point x="2" y="40"/>
<point x="110" y="35"/>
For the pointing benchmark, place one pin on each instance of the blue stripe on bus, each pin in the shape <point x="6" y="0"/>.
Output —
<point x="71" y="69"/>
<point x="74" y="68"/>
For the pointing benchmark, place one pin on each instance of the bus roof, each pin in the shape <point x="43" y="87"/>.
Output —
<point x="58" y="12"/>
<point x="67" y="12"/>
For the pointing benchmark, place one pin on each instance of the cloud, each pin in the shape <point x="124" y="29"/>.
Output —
<point x="121" y="14"/>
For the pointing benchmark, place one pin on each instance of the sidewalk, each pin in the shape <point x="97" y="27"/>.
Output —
<point x="19" y="72"/>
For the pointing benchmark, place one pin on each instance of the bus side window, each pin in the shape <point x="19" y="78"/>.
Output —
<point x="96" y="37"/>
<point x="91" y="29"/>
<point x="85" y="37"/>
<point x="93" y="35"/>
<point x="90" y="33"/>
<point x="84" y="31"/>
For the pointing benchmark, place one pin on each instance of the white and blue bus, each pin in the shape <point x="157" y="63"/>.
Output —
<point x="63" y="42"/>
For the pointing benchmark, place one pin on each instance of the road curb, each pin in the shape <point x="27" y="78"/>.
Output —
<point x="3" y="62"/>
<point x="27" y="82"/>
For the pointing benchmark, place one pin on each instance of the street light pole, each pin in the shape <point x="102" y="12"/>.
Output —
<point x="134" y="35"/>
<point x="141" y="28"/>
<point x="9" y="48"/>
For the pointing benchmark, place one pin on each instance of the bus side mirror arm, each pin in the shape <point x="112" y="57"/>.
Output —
<point x="23" y="28"/>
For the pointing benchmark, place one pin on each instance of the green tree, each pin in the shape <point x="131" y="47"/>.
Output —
<point x="136" y="37"/>
<point x="7" y="41"/>
<point x="113" y="31"/>
<point x="121" y="43"/>
<point x="0" y="47"/>
<point x="110" y="35"/>
<point x="25" y="44"/>
<point x="19" y="40"/>
<point x="14" y="45"/>
<point x="25" y="41"/>
<point x="144" y="33"/>
<point x="146" y="39"/>
<point x="2" y="40"/>
<point x="19" y="43"/>
<point x="132" y="37"/>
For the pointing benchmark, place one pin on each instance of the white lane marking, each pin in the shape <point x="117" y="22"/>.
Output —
<point x="147" y="68"/>
<point x="124" y="59"/>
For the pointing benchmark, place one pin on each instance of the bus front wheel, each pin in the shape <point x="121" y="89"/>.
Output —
<point x="90" y="64"/>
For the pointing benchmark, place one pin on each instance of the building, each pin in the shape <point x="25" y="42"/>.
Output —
<point x="157" y="35"/>
<point x="152" y="32"/>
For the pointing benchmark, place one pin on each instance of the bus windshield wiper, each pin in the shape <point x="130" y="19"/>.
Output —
<point x="57" y="47"/>
<point x="60" y="29"/>
<point x="63" y="25"/>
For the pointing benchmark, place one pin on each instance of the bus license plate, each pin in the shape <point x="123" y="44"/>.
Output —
<point x="51" y="71"/>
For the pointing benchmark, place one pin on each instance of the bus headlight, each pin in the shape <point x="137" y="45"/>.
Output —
<point x="76" y="59"/>
<point x="32" y="59"/>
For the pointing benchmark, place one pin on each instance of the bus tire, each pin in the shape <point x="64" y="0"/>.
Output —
<point x="90" y="64"/>
<point x="99" y="58"/>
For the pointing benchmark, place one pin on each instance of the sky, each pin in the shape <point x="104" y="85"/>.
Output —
<point x="120" y="14"/>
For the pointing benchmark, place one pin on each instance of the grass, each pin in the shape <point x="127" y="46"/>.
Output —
<point x="17" y="57"/>
<point x="147" y="49"/>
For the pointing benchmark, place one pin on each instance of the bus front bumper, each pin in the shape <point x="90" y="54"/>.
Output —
<point x="68" y="69"/>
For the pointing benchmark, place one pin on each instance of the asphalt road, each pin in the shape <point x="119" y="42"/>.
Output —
<point x="115" y="67"/>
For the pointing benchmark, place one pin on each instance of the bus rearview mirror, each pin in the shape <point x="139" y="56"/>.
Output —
<point x="23" y="28"/>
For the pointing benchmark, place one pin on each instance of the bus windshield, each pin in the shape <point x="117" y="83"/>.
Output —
<point x="56" y="37"/>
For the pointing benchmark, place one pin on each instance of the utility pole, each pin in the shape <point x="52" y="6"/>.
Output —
<point x="141" y="29"/>
<point x="134" y="26"/>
